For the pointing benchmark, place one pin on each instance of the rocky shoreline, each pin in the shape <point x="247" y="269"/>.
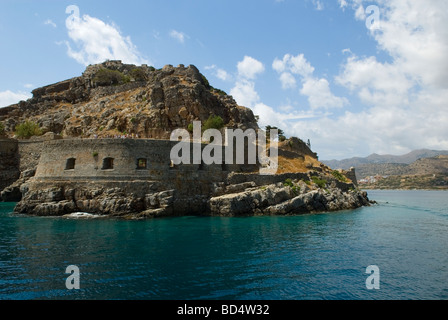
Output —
<point x="151" y="200"/>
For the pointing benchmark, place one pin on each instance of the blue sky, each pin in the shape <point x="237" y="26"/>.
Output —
<point x="320" y="70"/>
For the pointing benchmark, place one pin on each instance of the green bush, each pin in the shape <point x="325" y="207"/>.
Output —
<point x="28" y="129"/>
<point x="288" y="182"/>
<point x="213" y="122"/>
<point x="138" y="74"/>
<point x="339" y="176"/>
<point x="107" y="77"/>
<point x="190" y="128"/>
<point x="320" y="182"/>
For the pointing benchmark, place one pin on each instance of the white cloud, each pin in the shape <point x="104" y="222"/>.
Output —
<point x="282" y="120"/>
<point x="8" y="97"/>
<point x="219" y="73"/>
<point x="288" y="81"/>
<point x="98" y="41"/>
<point x="179" y="36"/>
<point x="407" y="94"/>
<point x="295" y="64"/>
<point x="319" y="94"/>
<point x="50" y="23"/>
<point x="249" y="68"/>
<point x="404" y="97"/>
<point x="317" y="90"/>
<point x="415" y="35"/>
<point x="318" y="5"/>
<point x="376" y="83"/>
<point x="343" y="3"/>
<point x="244" y="93"/>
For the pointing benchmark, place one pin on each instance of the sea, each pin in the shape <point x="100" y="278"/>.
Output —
<point x="394" y="250"/>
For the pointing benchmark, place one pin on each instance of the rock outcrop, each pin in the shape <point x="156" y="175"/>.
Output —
<point x="113" y="98"/>
<point x="142" y="199"/>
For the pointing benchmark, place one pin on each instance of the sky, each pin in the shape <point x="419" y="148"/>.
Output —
<point x="354" y="77"/>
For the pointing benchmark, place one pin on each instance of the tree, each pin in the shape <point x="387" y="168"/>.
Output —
<point x="138" y="74"/>
<point x="281" y="133"/>
<point x="107" y="77"/>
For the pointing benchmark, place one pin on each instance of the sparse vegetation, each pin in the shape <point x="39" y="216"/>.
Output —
<point x="95" y="154"/>
<point x="321" y="183"/>
<point x="219" y="91"/>
<point x="107" y="77"/>
<point x="138" y="74"/>
<point x="288" y="183"/>
<point x="2" y="129"/>
<point x="190" y="128"/>
<point x="213" y="122"/>
<point x="296" y="189"/>
<point x="339" y="176"/>
<point x="205" y="82"/>
<point x="27" y="130"/>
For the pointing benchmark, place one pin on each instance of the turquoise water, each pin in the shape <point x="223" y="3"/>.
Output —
<point x="318" y="256"/>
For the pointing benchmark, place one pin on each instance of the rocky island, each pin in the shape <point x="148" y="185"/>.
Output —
<point x="100" y="143"/>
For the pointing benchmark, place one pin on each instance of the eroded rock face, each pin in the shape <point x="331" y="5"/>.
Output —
<point x="9" y="164"/>
<point x="278" y="199"/>
<point x="141" y="199"/>
<point x="146" y="102"/>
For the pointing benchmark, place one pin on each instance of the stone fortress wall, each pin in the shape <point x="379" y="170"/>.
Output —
<point x="136" y="178"/>
<point x="119" y="176"/>
<point x="9" y="162"/>
<point x="122" y="159"/>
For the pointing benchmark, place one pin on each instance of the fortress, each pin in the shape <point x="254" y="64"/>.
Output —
<point x="136" y="178"/>
<point x="89" y="172"/>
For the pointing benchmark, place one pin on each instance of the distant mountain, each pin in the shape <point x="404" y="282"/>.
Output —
<point x="424" y="173"/>
<point x="383" y="159"/>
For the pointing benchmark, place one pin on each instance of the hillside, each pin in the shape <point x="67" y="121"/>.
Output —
<point x="429" y="173"/>
<point x="113" y="98"/>
<point x="359" y="162"/>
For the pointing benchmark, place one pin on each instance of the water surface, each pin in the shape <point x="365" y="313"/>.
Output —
<point x="315" y="256"/>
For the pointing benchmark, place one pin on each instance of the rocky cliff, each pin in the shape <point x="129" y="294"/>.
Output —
<point x="113" y="98"/>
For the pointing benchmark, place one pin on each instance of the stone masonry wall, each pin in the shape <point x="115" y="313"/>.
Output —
<point x="9" y="162"/>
